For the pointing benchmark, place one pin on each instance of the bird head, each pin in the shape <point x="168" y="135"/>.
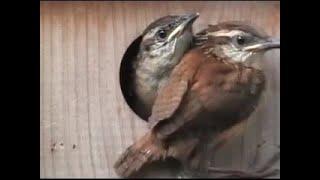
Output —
<point x="238" y="41"/>
<point x="166" y="40"/>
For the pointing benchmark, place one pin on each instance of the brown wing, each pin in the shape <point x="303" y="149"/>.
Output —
<point x="188" y="110"/>
<point x="168" y="101"/>
<point x="201" y="83"/>
<point x="195" y="80"/>
<point x="173" y="93"/>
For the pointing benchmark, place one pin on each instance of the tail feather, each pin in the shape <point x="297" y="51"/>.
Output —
<point x="144" y="151"/>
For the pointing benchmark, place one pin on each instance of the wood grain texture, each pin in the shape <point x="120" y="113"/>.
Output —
<point x="85" y="122"/>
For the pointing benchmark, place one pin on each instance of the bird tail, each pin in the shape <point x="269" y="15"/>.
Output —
<point x="144" y="151"/>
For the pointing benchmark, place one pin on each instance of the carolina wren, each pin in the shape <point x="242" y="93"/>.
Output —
<point x="163" y="44"/>
<point x="214" y="88"/>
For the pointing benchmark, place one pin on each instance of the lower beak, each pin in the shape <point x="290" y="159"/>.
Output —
<point x="187" y="20"/>
<point x="267" y="45"/>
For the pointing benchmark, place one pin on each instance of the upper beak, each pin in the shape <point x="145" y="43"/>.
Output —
<point x="187" y="20"/>
<point x="268" y="44"/>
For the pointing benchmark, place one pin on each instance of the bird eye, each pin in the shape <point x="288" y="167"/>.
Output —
<point x="241" y="40"/>
<point x="162" y="34"/>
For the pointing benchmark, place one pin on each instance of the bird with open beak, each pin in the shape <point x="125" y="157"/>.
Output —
<point x="207" y="97"/>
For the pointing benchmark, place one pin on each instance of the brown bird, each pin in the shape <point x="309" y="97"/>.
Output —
<point x="162" y="46"/>
<point x="209" y="94"/>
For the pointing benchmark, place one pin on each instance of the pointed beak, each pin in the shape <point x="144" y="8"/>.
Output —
<point x="186" y="21"/>
<point x="264" y="46"/>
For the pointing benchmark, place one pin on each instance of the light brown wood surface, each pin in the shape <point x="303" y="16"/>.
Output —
<point x="85" y="122"/>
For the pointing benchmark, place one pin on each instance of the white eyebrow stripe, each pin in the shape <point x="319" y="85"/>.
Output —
<point x="225" y="33"/>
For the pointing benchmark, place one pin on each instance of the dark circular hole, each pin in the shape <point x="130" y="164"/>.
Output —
<point x="126" y="80"/>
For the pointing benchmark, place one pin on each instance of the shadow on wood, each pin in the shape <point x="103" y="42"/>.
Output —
<point x="160" y="169"/>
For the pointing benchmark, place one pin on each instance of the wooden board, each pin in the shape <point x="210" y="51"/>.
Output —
<point x="85" y="122"/>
